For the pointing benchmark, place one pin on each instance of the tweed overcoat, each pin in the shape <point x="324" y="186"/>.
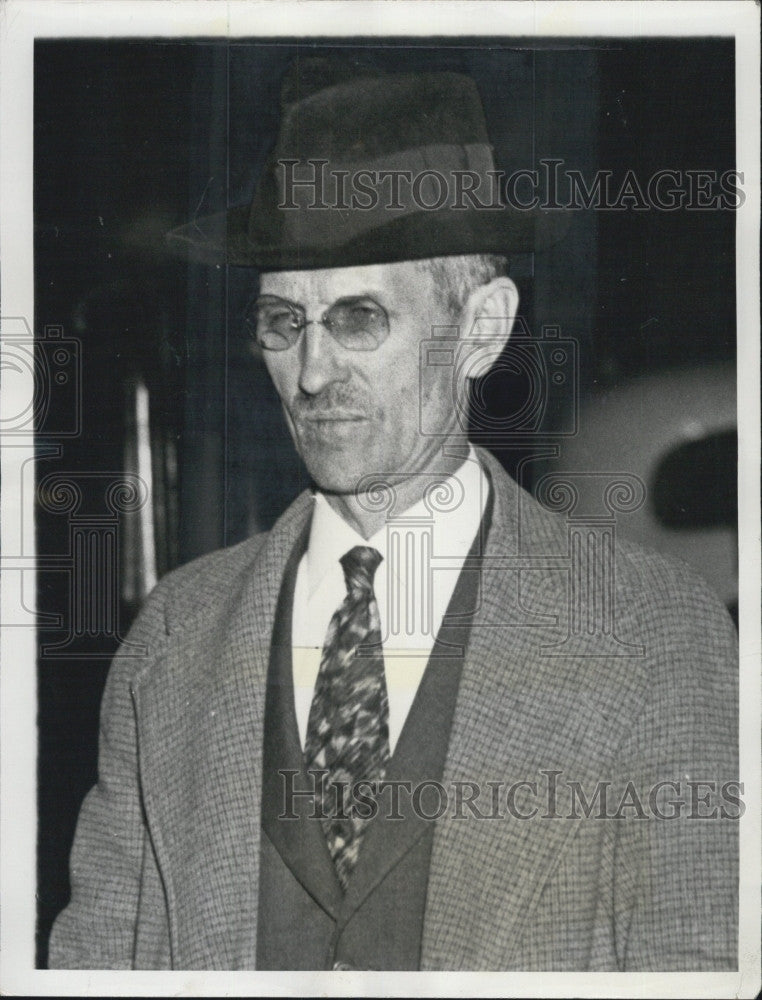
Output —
<point x="164" y="868"/>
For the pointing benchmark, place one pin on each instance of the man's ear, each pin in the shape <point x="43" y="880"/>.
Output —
<point x="488" y="317"/>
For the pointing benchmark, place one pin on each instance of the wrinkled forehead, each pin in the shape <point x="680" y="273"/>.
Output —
<point x="389" y="281"/>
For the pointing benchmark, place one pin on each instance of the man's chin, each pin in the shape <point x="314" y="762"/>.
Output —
<point x="339" y="471"/>
<point x="339" y="483"/>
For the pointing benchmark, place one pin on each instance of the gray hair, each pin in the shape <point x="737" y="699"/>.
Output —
<point x="455" y="277"/>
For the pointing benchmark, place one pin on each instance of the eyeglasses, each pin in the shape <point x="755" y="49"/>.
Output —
<point x="357" y="322"/>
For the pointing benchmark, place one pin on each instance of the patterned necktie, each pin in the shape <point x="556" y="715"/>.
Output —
<point x="348" y="727"/>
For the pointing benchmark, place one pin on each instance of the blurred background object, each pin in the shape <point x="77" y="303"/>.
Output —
<point x="676" y="430"/>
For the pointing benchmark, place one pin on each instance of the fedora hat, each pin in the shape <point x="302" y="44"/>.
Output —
<point x="371" y="168"/>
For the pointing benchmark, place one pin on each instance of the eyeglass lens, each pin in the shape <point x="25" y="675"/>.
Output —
<point x="357" y="323"/>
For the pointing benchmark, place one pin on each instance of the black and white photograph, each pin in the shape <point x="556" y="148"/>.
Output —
<point x="380" y="498"/>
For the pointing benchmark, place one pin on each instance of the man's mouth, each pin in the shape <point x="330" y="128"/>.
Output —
<point x="332" y="418"/>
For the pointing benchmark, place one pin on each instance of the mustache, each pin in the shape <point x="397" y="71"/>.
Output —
<point x="336" y="399"/>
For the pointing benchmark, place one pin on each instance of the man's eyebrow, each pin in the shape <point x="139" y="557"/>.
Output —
<point x="374" y="294"/>
<point x="369" y="293"/>
<point x="366" y="294"/>
<point x="273" y="295"/>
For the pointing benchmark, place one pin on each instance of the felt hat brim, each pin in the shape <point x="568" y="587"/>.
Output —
<point x="223" y="238"/>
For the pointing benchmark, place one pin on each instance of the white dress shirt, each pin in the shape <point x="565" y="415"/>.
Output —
<point x="411" y="602"/>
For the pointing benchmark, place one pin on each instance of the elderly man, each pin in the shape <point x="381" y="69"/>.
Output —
<point x="388" y="734"/>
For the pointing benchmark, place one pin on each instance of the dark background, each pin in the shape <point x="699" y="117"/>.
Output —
<point x="132" y="138"/>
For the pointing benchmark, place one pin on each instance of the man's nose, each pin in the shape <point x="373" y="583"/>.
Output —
<point x="321" y="360"/>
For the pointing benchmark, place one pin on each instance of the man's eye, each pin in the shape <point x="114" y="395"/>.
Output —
<point x="279" y="317"/>
<point x="362" y="312"/>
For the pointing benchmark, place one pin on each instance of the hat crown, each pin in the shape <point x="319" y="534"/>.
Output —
<point x="372" y="116"/>
<point x="305" y="77"/>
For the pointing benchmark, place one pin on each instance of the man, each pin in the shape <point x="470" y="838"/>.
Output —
<point x="390" y="734"/>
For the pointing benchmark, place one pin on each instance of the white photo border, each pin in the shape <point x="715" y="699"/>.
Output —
<point x="21" y="21"/>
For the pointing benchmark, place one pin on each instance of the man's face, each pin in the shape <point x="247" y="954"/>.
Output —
<point x="353" y="413"/>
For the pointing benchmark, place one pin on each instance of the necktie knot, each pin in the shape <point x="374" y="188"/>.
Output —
<point x="360" y="565"/>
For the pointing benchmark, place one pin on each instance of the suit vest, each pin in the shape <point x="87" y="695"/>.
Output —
<point x="305" y="919"/>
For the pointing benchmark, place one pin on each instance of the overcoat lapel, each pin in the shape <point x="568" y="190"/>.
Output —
<point x="200" y="713"/>
<point x="519" y="712"/>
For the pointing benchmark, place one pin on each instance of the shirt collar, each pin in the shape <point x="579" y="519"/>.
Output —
<point x="331" y="536"/>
